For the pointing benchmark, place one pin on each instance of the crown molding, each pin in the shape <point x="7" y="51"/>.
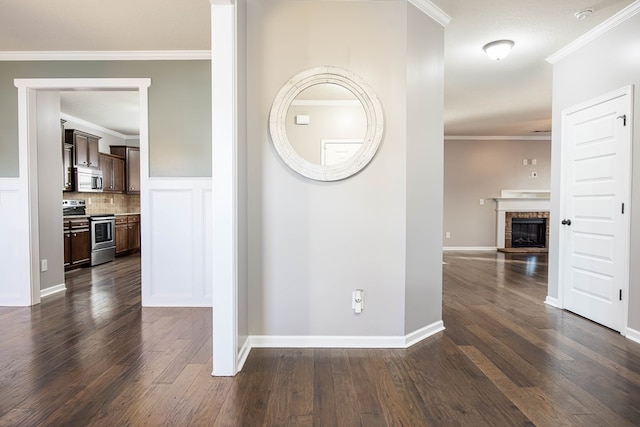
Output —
<point x="94" y="126"/>
<point x="133" y="55"/>
<point x="497" y="138"/>
<point x="596" y="32"/>
<point x="433" y="11"/>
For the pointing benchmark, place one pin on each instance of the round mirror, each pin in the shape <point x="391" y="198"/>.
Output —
<point x="326" y="123"/>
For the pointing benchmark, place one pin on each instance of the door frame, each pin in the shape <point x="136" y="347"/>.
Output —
<point x="625" y="91"/>
<point x="27" y="152"/>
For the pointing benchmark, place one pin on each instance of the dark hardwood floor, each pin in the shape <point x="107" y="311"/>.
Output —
<point x="94" y="356"/>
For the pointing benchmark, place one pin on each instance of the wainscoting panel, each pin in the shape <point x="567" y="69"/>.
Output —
<point x="176" y="243"/>
<point x="207" y="214"/>
<point x="15" y="282"/>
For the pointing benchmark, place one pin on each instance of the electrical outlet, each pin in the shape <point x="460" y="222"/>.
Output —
<point x="357" y="300"/>
<point x="44" y="265"/>
<point x="534" y="162"/>
<point x="481" y="202"/>
<point x="447" y="234"/>
<point x="525" y="162"/>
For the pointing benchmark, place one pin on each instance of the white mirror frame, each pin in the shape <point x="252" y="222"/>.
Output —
<point x="362" y="91"/>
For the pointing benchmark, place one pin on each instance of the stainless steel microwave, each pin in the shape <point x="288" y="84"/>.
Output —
<point x="88" y="180"/>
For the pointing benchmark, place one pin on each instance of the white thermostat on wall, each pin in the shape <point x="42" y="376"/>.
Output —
<point x="302" y="119"/>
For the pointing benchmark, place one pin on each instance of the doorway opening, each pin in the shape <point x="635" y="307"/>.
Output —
<point x="30" y="110"/>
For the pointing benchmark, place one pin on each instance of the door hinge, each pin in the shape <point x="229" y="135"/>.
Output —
<point x="623" y="208"/>
<point x="624" y="119"/>
<point x="620" y="294"/>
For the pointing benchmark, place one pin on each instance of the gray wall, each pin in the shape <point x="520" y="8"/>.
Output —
<point x="424" y="166"/>
<point x="604" y="65"/>
<point x="179" y="109"/>
<point x="243" y="242"/>
<point x="312" y="243"/>
<point x="49" y="187"/>
<point x="475" y="170"/>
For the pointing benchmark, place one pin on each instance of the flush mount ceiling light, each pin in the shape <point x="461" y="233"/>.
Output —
<point x="583" y="14"/>
<point x="498" y="49"/>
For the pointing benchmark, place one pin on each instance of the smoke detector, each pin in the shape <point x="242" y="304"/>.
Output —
<point x="583" y="14"/>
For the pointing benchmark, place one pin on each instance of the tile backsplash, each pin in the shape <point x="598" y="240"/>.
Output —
<point x="116" y="203"/>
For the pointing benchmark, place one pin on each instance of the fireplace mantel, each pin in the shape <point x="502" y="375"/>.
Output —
<point x="518" y="201"/>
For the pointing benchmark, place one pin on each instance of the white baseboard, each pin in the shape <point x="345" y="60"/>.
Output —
<point x="244" y="353"/>
<point x="176" y="301"/>
<point x="305" y="341"/>
<point x="633" y="335"/>
<point x="553" y="302"/>
<point x="470" y="248"/>
<point x="52" y="290"/>
<point x="422" y="333"/>
<point x="288" y="341"/>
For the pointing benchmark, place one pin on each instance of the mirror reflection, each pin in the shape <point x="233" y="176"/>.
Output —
<point x="326" y="124"/>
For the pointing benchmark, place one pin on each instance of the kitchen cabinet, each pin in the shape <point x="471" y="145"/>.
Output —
<point x="67" y="164"/>
<point x="67" y="161"/>
<point x="134" y="232"/>
<point x="77" y="243"/>
<point x="85" y="148"/>
<point x="112" y="167"/>
<point x="127" y="233"/>
<point x="131" y="157"/>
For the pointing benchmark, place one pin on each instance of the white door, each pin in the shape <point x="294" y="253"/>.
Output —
<point x="594" y="235"/>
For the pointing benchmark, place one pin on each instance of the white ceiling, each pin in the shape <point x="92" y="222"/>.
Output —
<point x="115" y="110"/>
<point x="511" y="96"/>
<point x="482" y="97"/>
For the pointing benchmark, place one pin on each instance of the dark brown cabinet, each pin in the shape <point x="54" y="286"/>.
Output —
<point x="77" y="244"/>
<point x="127" y="233"/>
<point x="67" y="164"/>
<point x="134" y="232"/>
<point x="112" y="168"/>
<point x="122" y="235"/>
<point x="131" y="157"/>
<point x="85" y="148"/>
<point x="67" y="161"/>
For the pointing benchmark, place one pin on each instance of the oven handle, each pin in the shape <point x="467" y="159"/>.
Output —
<point x="103" y="219"/>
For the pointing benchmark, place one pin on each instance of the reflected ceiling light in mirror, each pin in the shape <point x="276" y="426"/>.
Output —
<point x="498" y="49"/>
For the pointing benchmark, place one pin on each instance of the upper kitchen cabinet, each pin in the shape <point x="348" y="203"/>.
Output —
<point x="112" y="168"/>
<point x="85" y="148"/>
<point x="132" y="166"/>
<point x="67" y="162"/>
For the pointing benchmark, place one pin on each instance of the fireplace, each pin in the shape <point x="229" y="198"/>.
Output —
<point x="529" y="204"/>
<point x="528" y="232"/>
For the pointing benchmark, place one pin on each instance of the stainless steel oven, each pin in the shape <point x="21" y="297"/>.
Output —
<point x="103" y="238"/>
